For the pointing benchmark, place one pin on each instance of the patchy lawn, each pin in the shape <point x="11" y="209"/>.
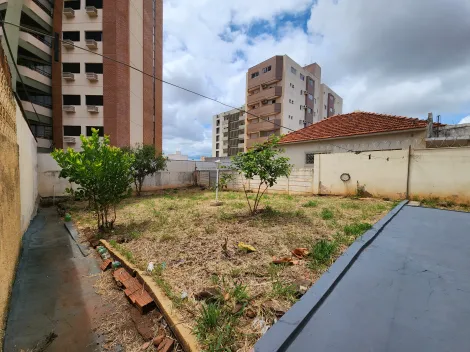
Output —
<point x="195" y="249"/>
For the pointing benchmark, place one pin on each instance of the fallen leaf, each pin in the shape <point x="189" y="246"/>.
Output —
<point x="300" y="252"/>
<point x="246" y="247"/>
<point x="285" y="260"/>
<point x="226" y="296"/>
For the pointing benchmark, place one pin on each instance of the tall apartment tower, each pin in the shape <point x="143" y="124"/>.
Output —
<point x="287" y="94"/>
<point x="228" y="133"/>
<point x="74" y="90"/>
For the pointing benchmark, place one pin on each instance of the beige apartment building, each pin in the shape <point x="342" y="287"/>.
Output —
<point x="75" y="90"/>
<point x="228" y="133"/>
<point x="280" y="92"/>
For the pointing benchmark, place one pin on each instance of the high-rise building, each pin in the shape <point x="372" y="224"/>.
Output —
<point x="287" y="94"/>
<point x="228" y="133"/>
<point x="74" y="90"/>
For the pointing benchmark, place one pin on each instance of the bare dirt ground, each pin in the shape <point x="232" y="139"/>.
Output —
<point x="195" y="249"/>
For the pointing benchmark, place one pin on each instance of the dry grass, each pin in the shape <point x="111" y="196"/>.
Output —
<point x="182" y="231"/>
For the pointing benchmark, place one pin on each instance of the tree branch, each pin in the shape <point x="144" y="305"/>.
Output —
<point x="246" y="195"/>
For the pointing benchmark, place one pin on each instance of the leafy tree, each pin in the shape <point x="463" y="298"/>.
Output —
<point x="102" y="172"/>
<point x="146" y="162"/>
<point x="264" y="161"/>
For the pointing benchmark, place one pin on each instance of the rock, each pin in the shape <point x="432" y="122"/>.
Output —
<point x="208" y="294"/>
<point x="250" y="313"/>
<point x="238" y="307"/>
<point x="145" y="346"/>
<point x="275" y="307"/>
<point x="302" y="286"/>
<point x="143" y="324"/>
<point x="165" y="345"/>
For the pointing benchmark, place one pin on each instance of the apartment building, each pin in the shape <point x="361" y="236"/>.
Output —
<point x="75" y="90"/>
<point x="280" y="92"/>
<point x="228" y="133"/>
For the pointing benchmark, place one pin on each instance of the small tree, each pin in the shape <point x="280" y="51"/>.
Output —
<point x="262" y="160"/>
<point x="146" y="162"/>
<point x="102" y="173"/>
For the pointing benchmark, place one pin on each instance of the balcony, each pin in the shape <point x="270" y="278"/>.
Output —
<point x="68" y="76"/>
<point x="263" y="126"/>
<point x="68" y="44"/>
<point x="68" y="108"/>
<point x="91" y="44"/>
<point x="69" y="12"/>
<point x="264" y="110"/>
<point x="36" y="44"/>
<point x="273" y="75"/>
<point x="35" y="76"/>
<point x="93" y="77"/>
<point x="91" y="11"/>
<point x="265" y="94"/>
<point x="70" y="140"/>
<point x="92" y="109"/>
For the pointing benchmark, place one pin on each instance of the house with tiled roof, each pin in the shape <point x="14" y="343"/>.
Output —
<point x="356" y="132"/>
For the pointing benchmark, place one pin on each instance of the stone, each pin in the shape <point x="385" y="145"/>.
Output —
<point x="159" y="339"/>
<point x="238" y="307"/>
<point x="143" y="324"/>
<point x="275" y="307"/>
<point x="302" y="286"/>
<point x="208" y="294"/>
<point x="165" y="345"/>
<point x="250" y="313"/>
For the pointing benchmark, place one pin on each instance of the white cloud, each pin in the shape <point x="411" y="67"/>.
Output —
<point x="400" y="57"/>
<point x="465" y="120"/>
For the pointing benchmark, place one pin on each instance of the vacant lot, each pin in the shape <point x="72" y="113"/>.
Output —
<point x="195" y="248"/>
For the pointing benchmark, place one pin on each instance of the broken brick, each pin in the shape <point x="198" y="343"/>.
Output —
<point x="159" y="339"/>
<point x="143" y="324"/>
<point x="121" y="275"/>
<point x="105" y="265"/>
<point x="165" y="345"/>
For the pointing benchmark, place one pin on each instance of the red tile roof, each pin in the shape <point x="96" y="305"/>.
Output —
<point x="353" y="124"/>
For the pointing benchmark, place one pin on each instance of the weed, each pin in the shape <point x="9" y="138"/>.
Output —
<point x="235" y="272"/>
<point x="210" y="228"/>
<point x="282" y="289"/>
<point x="356" y="229"/>
<point x="289" y="197"/>
<point x="230" y="196"/>
<point x="238" y="205"/>
<point x="326" y="214"/>
<point x="135" y="235"/>
<point x="127" y="253"/>
<point x="208" y="319"/>
<point x="240" y="294"/>
<point x="215" y="279"/>
<point x="350" y="205"/>
<point x="310" y="204"/>
<point x="222" y="215"/>
<point x="322" y="252"/>
<point x="270" y="212"/>
<point x="167" y="237"/>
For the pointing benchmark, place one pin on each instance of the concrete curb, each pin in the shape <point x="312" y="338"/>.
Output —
<point x="281" y="334"/>
<point x="175" y="322"/>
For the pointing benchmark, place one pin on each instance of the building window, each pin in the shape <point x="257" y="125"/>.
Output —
<point x="267" y="69"/>
<point x="293" y="70"/>
<point x="94" y="68"/>
<point x="94" y="100"/>
<point x="73" y="131"/>
<point x="302" y="77"/>
<point x="42" y="131"/>
<point x="71" y="99"/>
<point x="96" y="3"/>
<point x="217" y="154"/>
<point x="309" y="110"/>
<point x="255" y="74"/>
<point x="301" y="122"/>
<point x="74" y="36"/>
<point x="310" y="82"/>
<point x="73" y="4"/>
<point x="217" y="130"/>
<point x="218" y="122"/>
<point x="217" y="146"/>
<point x="99" y="128"/>
<point x="309" y="158"/>
<point x="216" y="138"/>
<point x="94" y="35"/>
<point x="72" y="67"/>
<point x="310" y="96"/>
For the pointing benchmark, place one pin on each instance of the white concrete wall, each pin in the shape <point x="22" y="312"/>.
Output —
<point x="442" y="173"/>
<point x="28" y="170"/>
<point x="136" y="51"/>
<point x="297" y="151"/>
<point x="49" y="183"/>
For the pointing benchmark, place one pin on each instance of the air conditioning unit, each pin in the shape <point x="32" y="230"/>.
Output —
<point x="70" y="140"/>
<point x="91" y="43"/>
<point x="68" y="76"/>
<point x="264" y="101"/>
<point x="68" y="44"/>
<point x="92" y="108"/>
<point x="91" y="76"/>
<point x="305" y="107"/>
<point x="91" y="11"/>
<point x="69" y="12"/>
<point x="68" y="108"/>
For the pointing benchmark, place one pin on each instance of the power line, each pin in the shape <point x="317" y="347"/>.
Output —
<point x="184" y="89"/>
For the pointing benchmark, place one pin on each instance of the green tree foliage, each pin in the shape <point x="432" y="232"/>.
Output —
<point x="102" y="172"/>
<point x="146" y="162"/>
<point x="264" y="161"/>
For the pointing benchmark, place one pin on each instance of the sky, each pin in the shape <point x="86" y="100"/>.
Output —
<point x="401" y="57"/>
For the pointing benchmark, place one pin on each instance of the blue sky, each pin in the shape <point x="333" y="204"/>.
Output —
<point x="375" y="65"/>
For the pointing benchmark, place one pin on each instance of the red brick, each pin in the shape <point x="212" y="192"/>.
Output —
<point x="121" y="275"/>
<point x="105" y="265"/>
<point x="166" y="345"/>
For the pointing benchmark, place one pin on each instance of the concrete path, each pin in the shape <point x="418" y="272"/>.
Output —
<point x="53" y="291"/>
<point x="409" y="290"/>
